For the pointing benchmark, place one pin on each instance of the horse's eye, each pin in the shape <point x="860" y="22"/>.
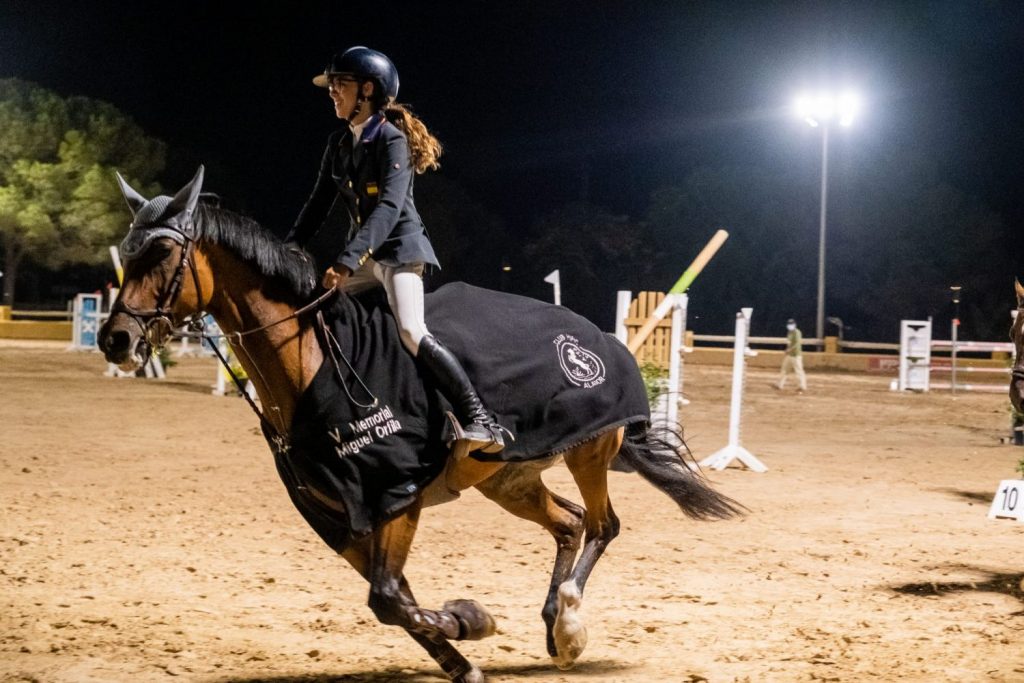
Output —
<point x="162" y="249"/>
<point x="152" y="254"/>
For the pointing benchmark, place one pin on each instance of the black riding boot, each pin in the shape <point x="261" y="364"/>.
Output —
<point x="455" y="385"/>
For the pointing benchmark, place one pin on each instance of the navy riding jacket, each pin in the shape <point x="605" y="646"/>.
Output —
<point x="374" y="180"/>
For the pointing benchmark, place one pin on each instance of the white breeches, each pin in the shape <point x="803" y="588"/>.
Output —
<point x="404" y="287"/>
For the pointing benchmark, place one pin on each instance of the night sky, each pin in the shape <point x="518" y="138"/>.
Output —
<point x="540" y="104"/>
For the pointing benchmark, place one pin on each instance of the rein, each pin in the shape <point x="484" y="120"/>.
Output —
<point x="197" y="324"/>
<point x="334" y="352"/>
<point x="333" y="349"/>
<point x="158" y="328"/>
<point x="198" y="327"/>
<point x="158" y="325"/>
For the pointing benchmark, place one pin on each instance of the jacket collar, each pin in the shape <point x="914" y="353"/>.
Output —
<point x="371" y="128"/>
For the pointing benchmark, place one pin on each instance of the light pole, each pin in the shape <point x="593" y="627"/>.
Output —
<point x="819" y="111"/>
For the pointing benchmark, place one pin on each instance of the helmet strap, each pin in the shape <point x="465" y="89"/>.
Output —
<point x="356" y="109"/>
<point x="360" y="99"/>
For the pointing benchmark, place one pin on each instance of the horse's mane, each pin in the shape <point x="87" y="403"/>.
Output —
<point x="257" y="246"/>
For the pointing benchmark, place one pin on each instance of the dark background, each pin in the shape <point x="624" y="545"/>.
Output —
<point x="666" y="120"/>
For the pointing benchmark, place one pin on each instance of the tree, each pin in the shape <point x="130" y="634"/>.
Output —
<point x="467" y="238"/>
<point x="597" y="253"/>
<point x="898" y="237"/>
<point x="768" y="261"/>
<point x="58" y="201"/>
<point x="910" y="244"/>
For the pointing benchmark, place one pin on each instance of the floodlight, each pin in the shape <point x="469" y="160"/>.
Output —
<point x="823" y="107"/>
<point x="849" y="107"/>
<point x="818" y="110"/>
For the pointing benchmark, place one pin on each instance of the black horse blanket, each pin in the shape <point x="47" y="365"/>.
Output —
<point x="551" y="377"/>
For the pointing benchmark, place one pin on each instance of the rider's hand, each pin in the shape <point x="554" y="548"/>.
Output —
<point x="336" y="276"/>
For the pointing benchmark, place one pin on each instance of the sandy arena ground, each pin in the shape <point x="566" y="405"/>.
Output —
<point x="145" y="536"/>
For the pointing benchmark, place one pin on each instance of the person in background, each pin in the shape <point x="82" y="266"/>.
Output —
<point x="794" y="358"/>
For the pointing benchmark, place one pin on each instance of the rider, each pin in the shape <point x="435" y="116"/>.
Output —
<point x="368" y="166"/>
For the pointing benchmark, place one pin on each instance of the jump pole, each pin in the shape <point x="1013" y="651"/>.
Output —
<point x="681" y="285"/>
<point x="721" y="458"/>
<point x="675" y="394"/>
<point x="115" y="256"/>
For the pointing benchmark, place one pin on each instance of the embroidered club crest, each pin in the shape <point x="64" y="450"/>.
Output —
<point x="582" y="367"/>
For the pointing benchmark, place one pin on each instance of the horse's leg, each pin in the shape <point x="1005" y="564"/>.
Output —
<point x="451" y="661"/>
<point x="460" y="473"/>
<point x="392" y="602"/>
<point x="588" y="464"/>
<point x="519" y="489"/>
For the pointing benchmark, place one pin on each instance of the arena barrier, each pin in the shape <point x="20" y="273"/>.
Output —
<point x="42" y="325"/>
<point x="662" y="347"/>
<point x="917" y="364"/>
<point x="721" y="458"/>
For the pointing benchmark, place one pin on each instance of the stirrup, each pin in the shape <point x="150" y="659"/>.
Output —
<point x="486" y="439"/>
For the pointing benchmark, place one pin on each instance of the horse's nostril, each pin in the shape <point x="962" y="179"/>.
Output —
<point x="118" y="341"/>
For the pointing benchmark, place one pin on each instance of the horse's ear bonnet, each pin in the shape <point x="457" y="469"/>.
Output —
<point x="161" y="216"/>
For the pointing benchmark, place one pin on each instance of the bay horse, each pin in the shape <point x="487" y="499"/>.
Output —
<point x="1017" y="337"/>
<point x="183" y="258"/>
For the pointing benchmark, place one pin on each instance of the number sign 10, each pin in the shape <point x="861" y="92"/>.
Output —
<point x="1009" y="500"/>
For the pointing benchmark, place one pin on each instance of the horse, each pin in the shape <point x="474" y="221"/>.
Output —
<point x="184" y="258"/>
<point x="1017" y="337"/>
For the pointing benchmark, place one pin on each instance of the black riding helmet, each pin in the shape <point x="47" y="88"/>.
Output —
<point x="362" y="63"/>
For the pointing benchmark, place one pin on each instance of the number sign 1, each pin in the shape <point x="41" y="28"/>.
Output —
<point x="1009" y="500"/>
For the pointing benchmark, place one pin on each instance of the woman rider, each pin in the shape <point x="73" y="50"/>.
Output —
<point x="369" y="165"/>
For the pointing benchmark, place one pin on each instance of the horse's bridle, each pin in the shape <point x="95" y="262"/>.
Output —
<point x="158" y="323"/>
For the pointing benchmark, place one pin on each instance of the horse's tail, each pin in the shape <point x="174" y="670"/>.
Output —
<point x="655" y="454"/>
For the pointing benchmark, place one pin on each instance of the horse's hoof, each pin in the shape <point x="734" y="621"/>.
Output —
<point x="474" y="675"/>
<point x="475" y="622"/>
<point x="569" y="632"/>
